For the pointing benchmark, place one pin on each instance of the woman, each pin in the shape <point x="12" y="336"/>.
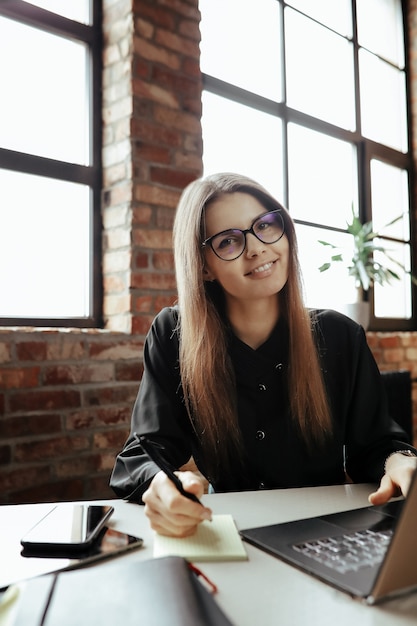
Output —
<point x="242" y="384"/>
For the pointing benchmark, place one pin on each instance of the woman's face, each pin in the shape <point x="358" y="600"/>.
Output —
<point x="262" y="270"/>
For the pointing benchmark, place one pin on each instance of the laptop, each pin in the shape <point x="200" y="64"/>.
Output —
<point x="369" y="553"/>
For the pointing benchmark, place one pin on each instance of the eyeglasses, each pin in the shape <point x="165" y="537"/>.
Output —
<point x="230" y="244"/>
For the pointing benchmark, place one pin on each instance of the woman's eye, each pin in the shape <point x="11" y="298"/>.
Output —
<point x="263" y="225"/>
<point x="226" y="242"/>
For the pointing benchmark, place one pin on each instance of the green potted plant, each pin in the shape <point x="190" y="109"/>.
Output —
<point x="363" y="266"/>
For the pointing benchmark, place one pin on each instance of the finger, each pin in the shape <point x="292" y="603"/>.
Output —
<point x="386" y="490"/>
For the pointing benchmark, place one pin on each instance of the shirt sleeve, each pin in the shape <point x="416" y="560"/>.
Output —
<point x="159" y="412"/>
<point x="370" y="432"/>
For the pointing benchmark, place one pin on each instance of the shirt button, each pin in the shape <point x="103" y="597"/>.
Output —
<point x="261" y="485"/>
<point x="262" y="387"/>
<point x="260" y="435"/>
<point x="278" y="367"/>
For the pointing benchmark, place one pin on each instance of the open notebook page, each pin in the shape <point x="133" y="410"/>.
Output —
<point x="218" y="540"/>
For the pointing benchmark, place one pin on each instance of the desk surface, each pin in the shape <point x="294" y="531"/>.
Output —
<point x="262" y="590"/>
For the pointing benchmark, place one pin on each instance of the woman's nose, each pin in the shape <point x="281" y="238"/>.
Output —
<point x="253" y="245"/>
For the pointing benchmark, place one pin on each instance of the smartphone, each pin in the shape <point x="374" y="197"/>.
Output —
<point x="69" y="528"/>
<point x="109" y="543"/>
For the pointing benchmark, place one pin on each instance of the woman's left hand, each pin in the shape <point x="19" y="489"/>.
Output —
<point x="396" y="480"/>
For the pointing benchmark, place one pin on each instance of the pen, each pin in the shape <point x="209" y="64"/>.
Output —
<point x="151" y="450"/>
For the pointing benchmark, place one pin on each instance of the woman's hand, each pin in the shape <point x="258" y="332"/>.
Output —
<point x="396" y="480"/>
<point x="171" y="513"/>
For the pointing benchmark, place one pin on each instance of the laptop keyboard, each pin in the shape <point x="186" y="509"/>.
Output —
<point x="348" y="552"/>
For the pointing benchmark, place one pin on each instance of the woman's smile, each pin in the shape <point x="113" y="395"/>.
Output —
<point x="262" y="270"/>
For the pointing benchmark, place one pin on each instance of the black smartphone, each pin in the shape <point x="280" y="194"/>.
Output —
<point x="69" y="528"/>
<point x="109" y="543"/>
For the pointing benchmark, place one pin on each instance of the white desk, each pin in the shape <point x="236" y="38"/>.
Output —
<point x="262" y="591"/>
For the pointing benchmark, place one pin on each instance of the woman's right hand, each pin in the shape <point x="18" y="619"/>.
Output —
<point x="171" y="513"/>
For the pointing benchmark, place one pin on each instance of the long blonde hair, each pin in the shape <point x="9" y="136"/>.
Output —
<point x="206" y="370"/>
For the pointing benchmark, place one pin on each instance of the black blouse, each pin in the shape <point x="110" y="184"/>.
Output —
<point x="276" y="457"/>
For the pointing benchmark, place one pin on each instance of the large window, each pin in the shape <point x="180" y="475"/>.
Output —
<point x="50" y="138"/>
<point x="309" y="98"/>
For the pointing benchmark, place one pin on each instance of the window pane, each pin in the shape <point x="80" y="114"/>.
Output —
<point x="319" y="71"/>
<point x="322" y="177"/>
<point x="237" y="138"/>
<point x="394" y="300"/>
<point x="240" y="44"/>
<point x="387" y="38"/>
<point x="44" y="247"/>
<point x="45" y="111"/>
<point x="333" y="288"/>
<point x="336" y="15"/>
<point x="389" y="189"/>
<point x="78" y="10"/>
<point x="383" y="102"/>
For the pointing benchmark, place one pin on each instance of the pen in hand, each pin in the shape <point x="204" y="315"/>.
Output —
<point x="152" y="451"/>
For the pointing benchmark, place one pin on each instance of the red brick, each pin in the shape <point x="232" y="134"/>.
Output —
<point x="50" y="448"/>
<point x="151" y="280"/>
<point x="113" y="440"/>
<point x="97" y="487"/>
<point x="70" y="374"/>
<point x="18" y="479"/>
<point x="163" y="260"/>
<point x="142" y="260"/>
<point x="173" y="41"/>
<point x="81" y="466"/>
<point x="117" y="350"/>
<point x="141" y="324"/>
<point x="19" y="378"/>
<point x="171" y="177"/>
<point x="177" y="83"/>
<point x="162" y="301"/>
<point x="31" y="350"/>
<point x="81" y="420"/>
<point x="23" y="425"/>
<point x="143" y="304"/>
<point x="114" y="415"/>
<point x="129" y="371"/>
<point x="152" y="153"/>
<point x="390" y="342"/>
<point x="156" y="15"/>
<point x="111" y="395"/>
<point x="152" y="194"/>
<point x="147" y="130"/>
<point x="63" y="491"/>
<point x="45" y="400"/>
<point x="152" y="238"/>
<point x="5" y="455"/>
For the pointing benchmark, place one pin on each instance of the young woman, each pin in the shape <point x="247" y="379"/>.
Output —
<point x="244" y="385"/>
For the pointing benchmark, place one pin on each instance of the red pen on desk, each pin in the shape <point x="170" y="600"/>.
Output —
<point x="152" y="450"/>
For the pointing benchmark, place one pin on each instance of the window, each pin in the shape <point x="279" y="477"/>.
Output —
<point x="50" y="178"/>
<point x="310" y="99"/>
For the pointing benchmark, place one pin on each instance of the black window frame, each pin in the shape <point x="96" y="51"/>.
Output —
<point x="366" y="149"/>
<point x="90" y="175"/>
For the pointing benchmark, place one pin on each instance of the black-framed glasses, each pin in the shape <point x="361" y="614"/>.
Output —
<point x="230" y="244"/>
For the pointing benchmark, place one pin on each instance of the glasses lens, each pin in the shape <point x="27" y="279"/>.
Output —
<point x="269" y="227"/>
<point x="229" y="244"/>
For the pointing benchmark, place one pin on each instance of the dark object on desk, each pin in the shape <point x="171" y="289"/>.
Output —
<point x="158" y="592"/>
<point x="109" y="543"/>
<point x="67" y="529"/>
<point x="397" y="386"/>
<point x="329" y="547"/>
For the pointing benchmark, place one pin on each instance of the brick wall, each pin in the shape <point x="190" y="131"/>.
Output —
<point x="66" y="395"/>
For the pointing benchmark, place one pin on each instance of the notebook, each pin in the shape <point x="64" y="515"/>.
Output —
<point x="370" y="553"/>
<point x="218" y="540"/>
<point x="156" y="592"/>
